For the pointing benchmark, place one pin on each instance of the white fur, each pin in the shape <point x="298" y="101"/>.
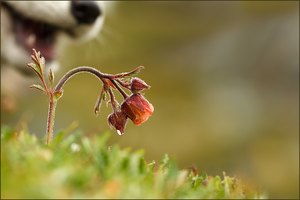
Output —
<point x="58" y="13"/>
<point x="53" y="12"/>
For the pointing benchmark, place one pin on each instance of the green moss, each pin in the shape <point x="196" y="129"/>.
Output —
<point x="75" y="166"/>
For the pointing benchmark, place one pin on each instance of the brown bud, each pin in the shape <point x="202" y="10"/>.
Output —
<point x="118" y="120"/>
<point x="138" y="85"/>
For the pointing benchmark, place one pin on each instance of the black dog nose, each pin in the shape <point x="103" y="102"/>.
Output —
<point x="85" y="12"/>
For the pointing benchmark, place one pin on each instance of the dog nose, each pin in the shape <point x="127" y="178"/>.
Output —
<point x="85" y="12"/>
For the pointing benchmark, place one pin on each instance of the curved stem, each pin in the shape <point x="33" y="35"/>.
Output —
<point x="77" y="70"/>
<point x="58" y="89"/>
<point x="93" y="71"/>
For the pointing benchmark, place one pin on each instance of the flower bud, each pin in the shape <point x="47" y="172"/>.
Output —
<point x="138" y="85"/>
<point x="118" y="120"/>
<point x="137" y="108"/>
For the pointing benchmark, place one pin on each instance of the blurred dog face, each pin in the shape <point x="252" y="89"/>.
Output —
<point x="40" y="24"/>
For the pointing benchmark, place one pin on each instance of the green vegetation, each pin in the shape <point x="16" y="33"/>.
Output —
<point x="75" y="166"/>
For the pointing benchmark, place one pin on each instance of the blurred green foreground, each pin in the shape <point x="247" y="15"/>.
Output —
<point x="82" y="167"/>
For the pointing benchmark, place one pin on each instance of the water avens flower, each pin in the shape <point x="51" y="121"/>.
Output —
<point x="137" y="108"/>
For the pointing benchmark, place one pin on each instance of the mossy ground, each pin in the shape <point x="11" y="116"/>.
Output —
<point x="75" y="166"/>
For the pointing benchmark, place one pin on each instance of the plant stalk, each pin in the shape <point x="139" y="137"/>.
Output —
<point x="53" y="99"/>
<point x="77" y="70"/>
<point x="50" y="119"/>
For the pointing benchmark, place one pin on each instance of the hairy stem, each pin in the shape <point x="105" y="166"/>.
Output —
<point x="50" y="119"/>
<point x="77" y="70"/>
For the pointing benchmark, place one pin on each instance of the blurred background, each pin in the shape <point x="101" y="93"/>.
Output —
<point x="225" y="86"/>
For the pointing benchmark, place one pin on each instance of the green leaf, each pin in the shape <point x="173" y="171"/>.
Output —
<point x="58" y="138"/>
<point x="165" y="160"/>
<point x="35" y="68"/>
<point x="39" y="87"/>
<point x="42" y="61"/>
<point x="39" y="62"/>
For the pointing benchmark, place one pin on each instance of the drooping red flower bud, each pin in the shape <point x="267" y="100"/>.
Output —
<point x="138" y="85"/>
<point x="137" y="108"/>
<point x="118" y="120"/>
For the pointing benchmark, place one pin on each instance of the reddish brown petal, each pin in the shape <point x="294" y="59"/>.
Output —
<point x="137" y="108"/>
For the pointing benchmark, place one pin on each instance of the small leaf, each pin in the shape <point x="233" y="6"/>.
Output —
<point x="131" y="73"/>
<point x="39" y="87"/>
<point x="58" y="94"/>
<point x="51" y="78"/>
<point x="98" y="102"/>
<point x="38" y="60"/>
<point x="35" y="68"/>
<point x="104" y="96"/>
<point x="42" y="61"/>
<point x="137" y="70"/>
